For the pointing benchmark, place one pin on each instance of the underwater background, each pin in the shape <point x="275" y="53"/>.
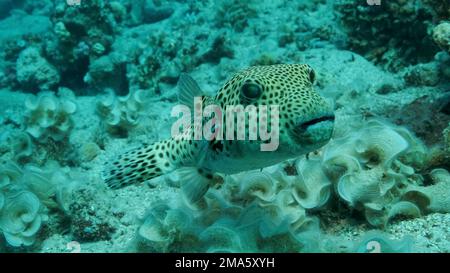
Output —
<point x="82" y="81"/>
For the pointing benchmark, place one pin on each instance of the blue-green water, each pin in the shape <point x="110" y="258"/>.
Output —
<point x="361" y="162"/>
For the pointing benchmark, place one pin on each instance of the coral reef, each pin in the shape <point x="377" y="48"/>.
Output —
<point x="150" y="62"/>
<point x="82" y="34"/>
<point x="369" y="29"/>
<point x="147" y="12"/>
<point x="440" y="8"/>
<point x="219" y="49"/>
<point x="423" y="74"/>
<point x="87" y="51"/>
<point x="235" y="14"/>
<point x="441" y="35"/>
<point x="107" y="72"/>
<point x="427" y="116"/>
<point x="31" y="26"/>
<point x="35" y="72"/>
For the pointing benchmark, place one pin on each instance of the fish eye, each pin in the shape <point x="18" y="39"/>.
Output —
<point x="312" y="75"/>
<point x="251" y="91"/>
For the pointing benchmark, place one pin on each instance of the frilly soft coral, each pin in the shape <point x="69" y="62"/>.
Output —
<point x="120" y="114"/>
<point x="26" y="194"/>
<point x="48" y="116"/>
<point x="369" y="169"/>
<point x="21" y="218"/>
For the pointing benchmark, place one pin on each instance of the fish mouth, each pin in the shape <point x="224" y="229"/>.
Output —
<point x="304" y="126"/>
<point x="314" y="131"/>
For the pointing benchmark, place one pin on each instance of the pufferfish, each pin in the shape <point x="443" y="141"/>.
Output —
<point x="306" y="122"/>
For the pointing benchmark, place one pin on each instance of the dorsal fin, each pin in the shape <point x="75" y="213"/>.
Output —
<point x="187" y="90"/>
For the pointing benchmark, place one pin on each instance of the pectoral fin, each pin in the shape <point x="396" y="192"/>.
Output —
<point x="188" y="90"/>
<point x="195" y="182"/>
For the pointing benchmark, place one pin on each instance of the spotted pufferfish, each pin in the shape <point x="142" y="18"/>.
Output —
<point x="306" y="122"/>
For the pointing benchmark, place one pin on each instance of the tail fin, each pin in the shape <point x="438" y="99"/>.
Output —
<point x="139" y="165"/>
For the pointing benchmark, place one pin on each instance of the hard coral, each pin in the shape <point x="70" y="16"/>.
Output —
<point x="144" y="11"/>
<point x="423" y="74"/>
<point x="33" y="71"/>
<point x="441" y="36"/>
<point x="441" y="8"/>
<point x="219" y="49"/>
<point x="81" y="34"/>
<point x="107" y="72"/>
<point x="370" y="28"/>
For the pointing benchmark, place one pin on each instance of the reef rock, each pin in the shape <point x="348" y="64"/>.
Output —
<point x="441" y="35"/>
<point x="34" y="71"/>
